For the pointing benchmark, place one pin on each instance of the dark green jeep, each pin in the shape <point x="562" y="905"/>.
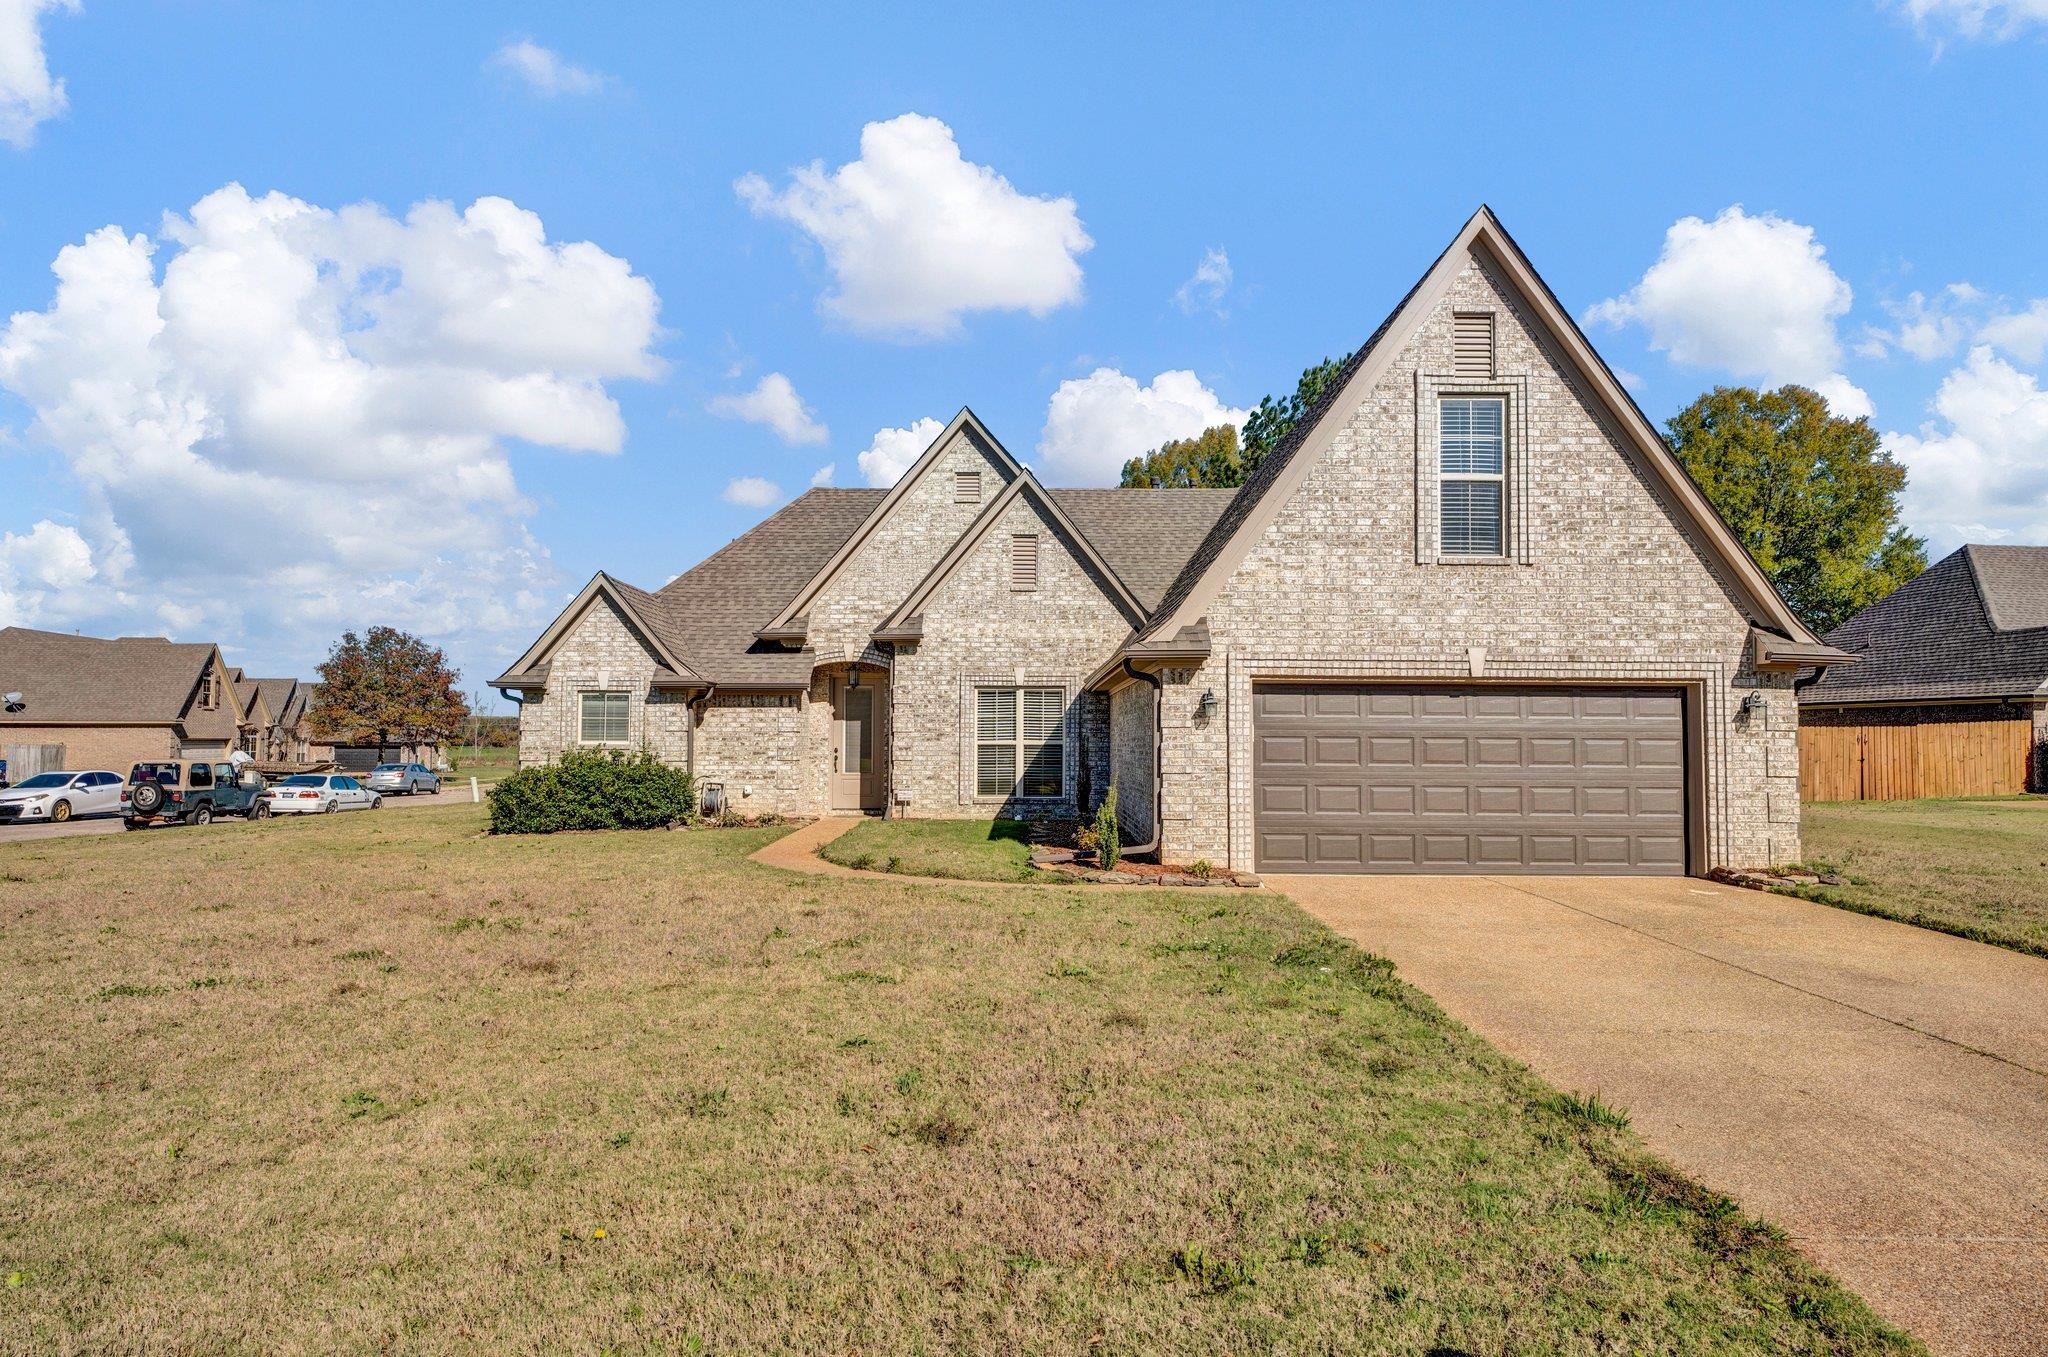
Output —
<point x="190" y="792"/>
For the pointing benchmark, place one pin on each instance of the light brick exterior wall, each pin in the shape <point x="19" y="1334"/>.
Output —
<point x="113" y="748"/>
<point x="755" y="744"/>
<point x="1130" y="741"/>
<point x="899" y="554"/>
<point x="1611" y="590"/>
<point x="979" y="632"/>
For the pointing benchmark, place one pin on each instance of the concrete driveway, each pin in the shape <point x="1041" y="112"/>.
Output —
<point x="1879" y="1090"/>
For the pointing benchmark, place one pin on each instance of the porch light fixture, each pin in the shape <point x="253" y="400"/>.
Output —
<point x="1206" y="708"/>
<point x="852" y="677"/>
<point x="1751" y="705"/>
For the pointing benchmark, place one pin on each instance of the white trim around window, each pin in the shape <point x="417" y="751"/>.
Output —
<point x="604" y="716"/>
<point x="1020" y="743"/>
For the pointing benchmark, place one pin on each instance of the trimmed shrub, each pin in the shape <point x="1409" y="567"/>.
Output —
<point x="1109" y="848"/>
<point x="593" y="789"/>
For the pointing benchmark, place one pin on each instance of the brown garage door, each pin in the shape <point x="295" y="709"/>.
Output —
<point x="1461" y="778"/>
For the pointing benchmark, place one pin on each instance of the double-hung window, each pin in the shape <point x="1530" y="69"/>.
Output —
<point x="1020" y="742"/>
<point x="1472" y="469"/>
<point x="603" y="718"/>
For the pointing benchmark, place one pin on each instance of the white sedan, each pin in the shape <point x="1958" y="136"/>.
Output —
<point x="320" y="794"/>
<point x="53" y="798"/>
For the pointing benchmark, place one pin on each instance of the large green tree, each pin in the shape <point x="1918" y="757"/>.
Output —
<point x="1220" y="457"/>
<point x="1814" y="497"/>
<point x="1210" y="458"/>
<point x="387" y="685"/>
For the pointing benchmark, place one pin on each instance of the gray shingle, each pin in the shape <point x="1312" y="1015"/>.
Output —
<point x="1145" y="535"/>
<point x="84" y="680"/>
<point x="1949" y="634"/>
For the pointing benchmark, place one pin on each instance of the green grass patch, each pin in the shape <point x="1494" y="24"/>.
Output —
<point x="959" y="850"/>
<point x="1972" y="867"/>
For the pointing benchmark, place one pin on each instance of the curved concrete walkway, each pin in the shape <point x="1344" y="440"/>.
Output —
<point x="1879" y="1090"/>
<point x="798" y="852"/>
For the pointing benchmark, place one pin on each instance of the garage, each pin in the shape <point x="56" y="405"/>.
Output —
<point x="1469" y="778"/>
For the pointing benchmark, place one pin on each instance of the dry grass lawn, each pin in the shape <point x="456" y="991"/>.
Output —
<point x="1978" y="868"/>
<point x="379" y="1083"/>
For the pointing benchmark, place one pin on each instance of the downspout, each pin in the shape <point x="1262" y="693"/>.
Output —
<point x="1151" y="845"/>
<point x="693" y="708"/>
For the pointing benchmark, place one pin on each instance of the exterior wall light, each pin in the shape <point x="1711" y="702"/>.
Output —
<point x="1752" y="704"/>
<point x="1205" y="710"/>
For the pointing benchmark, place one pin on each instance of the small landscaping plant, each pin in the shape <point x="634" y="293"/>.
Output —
<point x="1109" y="849"/>
<point x="592" y="789"/>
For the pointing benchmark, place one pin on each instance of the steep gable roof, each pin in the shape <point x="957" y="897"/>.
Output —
<point x="1277" y="477"/>
<point x="1971" y="627"/>
<point x="1024" y="486"/>
<point x="91" y="680"/>
<point x="1145" y="535"/>
<point x="531" y="668"/>
<point x="785" y="623"/>
<point x="277" y="695"/>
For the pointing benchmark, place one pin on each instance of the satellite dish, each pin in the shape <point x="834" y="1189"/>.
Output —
<point x="15" y="704"/>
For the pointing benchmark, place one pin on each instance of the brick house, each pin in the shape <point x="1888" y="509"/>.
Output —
<point x="110" y="703"/>
<point x="1469" y="616"/>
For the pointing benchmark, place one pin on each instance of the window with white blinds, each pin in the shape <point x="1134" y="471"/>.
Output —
<point x="603" y="718"/>
<point x="1024" y="562"/>
<point x="1472" y="468"/>
<point x="1020" y="742"/>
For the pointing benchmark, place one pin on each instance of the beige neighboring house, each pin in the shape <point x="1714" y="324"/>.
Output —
<point x="1471" y="616"/>
<point x="113" y="703"/>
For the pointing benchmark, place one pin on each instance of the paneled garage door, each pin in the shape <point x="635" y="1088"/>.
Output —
<point x="1461" y="778"/>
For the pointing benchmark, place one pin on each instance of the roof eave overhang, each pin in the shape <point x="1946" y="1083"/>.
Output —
<point x="1771" y="651"/>
<point x="796" y="633"/>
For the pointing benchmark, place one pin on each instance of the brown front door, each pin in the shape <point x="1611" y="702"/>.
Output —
<point x="1468" y="778"/>
<point x="857" y="748"/>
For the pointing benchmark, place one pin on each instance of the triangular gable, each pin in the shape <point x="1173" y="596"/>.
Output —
<point x="898" y="622"/>
<point x="1283" y="471"/>
<point x="785" y="625"/>
<point x="523" y="673"/>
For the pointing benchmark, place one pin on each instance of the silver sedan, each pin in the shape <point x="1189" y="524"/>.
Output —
<point x="403" y="779"/>
<point x="53" y="798"/>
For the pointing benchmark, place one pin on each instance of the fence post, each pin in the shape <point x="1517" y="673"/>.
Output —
<point x="474" y="794"/>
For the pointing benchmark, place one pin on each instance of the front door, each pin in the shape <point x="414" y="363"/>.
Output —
<point x="857" y="744"/>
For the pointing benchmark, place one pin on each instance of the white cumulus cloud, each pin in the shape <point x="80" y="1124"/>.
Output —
<point x="755" y="492"/>
<point x="917" y="236"/>
<point x="1095" y="424"/>
<point x="47" y="576"/>
<point x="29" y="94"/>
<point x="1979" y="472"/>
<point x="544" y="70"/>
<point x="334" y="391"/>
<point x="774" y="404"/>
<point x="2023" y="334"/>
<point x="824" y="474"/>
<point x="1207" y="285"/>
<point x="893" y="450"/>
<point x="1750" y="296"/>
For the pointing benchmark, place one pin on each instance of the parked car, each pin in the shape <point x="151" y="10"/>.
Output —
<point x="55" y="797"/>
<point x="403" y="779"/>
<point x="320" y="794"/>
<point x="191" y="792"/>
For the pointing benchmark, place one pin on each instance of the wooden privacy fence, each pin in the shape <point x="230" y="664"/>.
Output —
<point x="1907" y="762"/>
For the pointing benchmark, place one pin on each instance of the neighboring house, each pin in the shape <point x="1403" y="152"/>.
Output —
<point x="252" y="736"/>
<point x="279" y="742"/>
<point x="112" y="703"/>
<point x="1949" y="696"/>
<point x="1469" y="616"/>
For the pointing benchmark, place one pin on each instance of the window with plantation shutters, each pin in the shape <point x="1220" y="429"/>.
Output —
<point x="967" y="487"/>
<point x="1024" y="562"/>
<point x="1020" y="742"/>
<point x="1472" y="471"/>
<point x="1472" y="344"/>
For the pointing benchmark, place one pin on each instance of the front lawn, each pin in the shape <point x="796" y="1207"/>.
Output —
<point x="962" y="850"/>
<point x="1978" y="868"/>
<point x="382" y="1082"/>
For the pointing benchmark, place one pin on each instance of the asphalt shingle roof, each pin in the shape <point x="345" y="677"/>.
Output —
<point x="1145" y="535"/>
<point x="85" y="680"/>
<point x="1975" y="625"/>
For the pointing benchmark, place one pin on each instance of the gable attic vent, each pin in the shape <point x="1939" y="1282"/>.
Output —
<point x="967" y="487"/>
<point x="1472" y="344"/>
<point x="1024" y="562"/>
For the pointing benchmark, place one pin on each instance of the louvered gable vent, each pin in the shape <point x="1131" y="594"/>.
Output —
<point x="1024" y="562"/>
<point x="1472" y="344"/>
<point x="967" y="487"/>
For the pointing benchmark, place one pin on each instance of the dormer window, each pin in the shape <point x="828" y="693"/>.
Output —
<point x="967" y="487"/>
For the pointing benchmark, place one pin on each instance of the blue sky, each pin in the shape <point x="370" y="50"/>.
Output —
<point x="324" y="418"/>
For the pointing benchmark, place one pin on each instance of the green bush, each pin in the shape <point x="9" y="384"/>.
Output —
<point x="1108" y="847"/>
<point x="592" y="789"/>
